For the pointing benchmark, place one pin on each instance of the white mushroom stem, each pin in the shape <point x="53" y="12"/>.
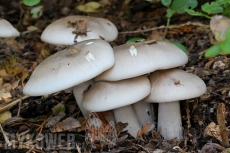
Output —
<point x="169" y="120"/>
<point x="126" y="115"/>
<point x="78" y="91"/>
<point x="110" y="117"/>
<point x="144" y="113"/>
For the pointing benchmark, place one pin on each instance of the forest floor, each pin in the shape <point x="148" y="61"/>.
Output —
<point x="20" y="56"/>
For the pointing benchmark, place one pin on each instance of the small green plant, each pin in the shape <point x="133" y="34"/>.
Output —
<point x="179" y="45"/>
<point x="219" y="25"/>
<point x="135" y="39"/>
<point x="178" y="6"/>
<point x="31" y="2"/>
<point x="222" y="47"/>
<point x="212" y="8"/>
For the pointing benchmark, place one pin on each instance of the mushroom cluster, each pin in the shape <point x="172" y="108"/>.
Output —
<point x="168" y="85"/>
<point x="135" y="60"/>
<point x="105" y="78"/>
<point x="87" y="55"/>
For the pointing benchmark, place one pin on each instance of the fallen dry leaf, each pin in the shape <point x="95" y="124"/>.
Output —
<point x="14" y="85"/>
<point x="5" y="116"/>
<point x="98" y="129"/>
<point x="120" y="126"/>
<point x="89" y="7"/>
<point x="213" y="130"/>
<point x="45" y="52"/>
<point x="58" y="108"/>
<point x="212" y="148"/>
<point x="6" y="96"/>
<point x="1" y="82"/>
<point x="53" y="120"/>
<point x="143" y="130"/>
<point x="3" y="73"/>
<point x="219" y="25"/>
<point x="68" y="124"/>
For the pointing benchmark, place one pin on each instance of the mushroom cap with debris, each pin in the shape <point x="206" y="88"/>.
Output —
<point x="69" y="67"/>
<point x="141" y="58"/>
<point x="76" y="28"/>
<point x="174" y="85"/>
<point x="7" y="30"/>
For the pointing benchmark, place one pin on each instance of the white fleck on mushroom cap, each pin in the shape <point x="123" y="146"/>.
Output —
<point x="98" y="28"/>
<point x="70" y="67"/>
<point x="105" y="96"/>
<point x="149" y="56"/>
<point x="7" y="30"/>
<point x="173" y="85"/>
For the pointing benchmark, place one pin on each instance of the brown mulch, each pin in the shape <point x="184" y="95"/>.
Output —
<point x="131" y="18"/>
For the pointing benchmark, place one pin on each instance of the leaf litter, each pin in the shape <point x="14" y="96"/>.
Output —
<point x="205" y="125"/>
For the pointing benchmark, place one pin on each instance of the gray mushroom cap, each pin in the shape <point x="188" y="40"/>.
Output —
<point x="7" y="30"/>
<point x="105" y="96"/>
<point x="60" y="33"/>
<point x="174" y="85"/>
<point x="141" y="58"/>
<point x="69" y="67"/>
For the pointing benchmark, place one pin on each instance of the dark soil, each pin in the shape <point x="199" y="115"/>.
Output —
<point x="131" y="18"/>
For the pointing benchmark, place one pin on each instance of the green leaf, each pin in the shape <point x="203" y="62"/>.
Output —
<point x="228" y="150"/>
<point x="169" y="13"/>
<point x="132" y="40"/>
<point x="227" y="14"/>
<point x="31" y="2"/>
<point x="227" y="34"/>
<point x="180" y="5"/>
<point x="212" y="51"/>
<point x="192" y="12"/>
<point x="226" y="11"/>
<point x="212" y="8"/>
<point x="179" y="45"/>
<point x="225" y="47"/>
<point x="222" y="2"/>
<point x="166" y="2"/>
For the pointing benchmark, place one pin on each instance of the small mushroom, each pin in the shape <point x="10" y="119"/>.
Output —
<point x="118" y="96"/>
<point x="76" y="28"/>
<point x="68" y="68"/>
<point x="168" y="87"/>
<point x="150" y="57"/>
<point x="7" y="30"/>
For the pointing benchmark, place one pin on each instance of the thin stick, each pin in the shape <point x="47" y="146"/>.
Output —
<point x="163" y="27"/>
<point x="5" y="137"/>
<point x="222" y="126"/>
<point x="19" y="107"/>
<point x="10" y="104"/>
